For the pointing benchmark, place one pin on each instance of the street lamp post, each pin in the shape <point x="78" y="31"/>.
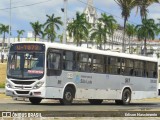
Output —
<point x="9" y="25"/>
<point x="65" y="22"/>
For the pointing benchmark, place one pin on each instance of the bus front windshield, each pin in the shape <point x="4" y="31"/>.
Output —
<point x="22" y="65"/>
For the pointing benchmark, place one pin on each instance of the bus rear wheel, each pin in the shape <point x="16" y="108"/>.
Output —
<point x="35" y="101"/>
<point x="67" y="96"/>
<point x="126" y="98"/>
<point x="95" y="101"/>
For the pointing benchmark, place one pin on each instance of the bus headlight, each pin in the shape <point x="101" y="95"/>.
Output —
<point x="8" y="85"/>
<point x="38" y="85"/>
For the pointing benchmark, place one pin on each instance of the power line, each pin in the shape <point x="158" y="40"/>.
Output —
<point x="26" y="5"/>
<point x="106" y="12"/>
<point x="17" y="2"/>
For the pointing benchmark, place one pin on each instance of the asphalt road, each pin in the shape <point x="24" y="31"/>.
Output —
<point x="80" y="108"/>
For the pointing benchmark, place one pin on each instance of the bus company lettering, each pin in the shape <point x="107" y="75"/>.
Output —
<point x="86" y="79"/>
<point x="153" y="81"/>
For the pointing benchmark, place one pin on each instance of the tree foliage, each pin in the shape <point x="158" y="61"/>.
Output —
<point x="19" y="32"/>
<point x="51" y="23"/>
<point x="3" y="30"/>
<point x="79" y="28"/>
<point x="37" y="27"/>
<point x="146" y="30"/>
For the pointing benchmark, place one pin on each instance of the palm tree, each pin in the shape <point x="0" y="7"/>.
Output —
<point x="109" y="24"/>
<point x="50" y="25"/>
<point x="130" y="31"/>
<point x="37" y="27"/>
<point x="60" y="38"/>
<point x="146" y="30"/>
<point x="3" y="30"/>
<point x="51" y="35"/>
<point x="99" y="34"/>
<point x="158" y="27"/>
<point x="143" y="5"/>
<point x="78" y="29"/>
<point x="20" y="32"/>
<point x="126" y="7"/>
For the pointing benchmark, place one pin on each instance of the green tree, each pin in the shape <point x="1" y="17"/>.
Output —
<point x="37" y="27"/>
<point x="78" y="29"/>
<point x="109" y="25"/>
<point x="126" y="7"/>
<point x="143" y="5"/>
<point x="50" y="34"/>
<point x="99" y="34"/>
<point x="130" y="31"/>
<point x="51" y="23"/>
<point x="146" y="30"/>
<point x="60" y="38"/>
<point x="3" y="30"/>
<point x="158" y="27"/>
<point x="19" y="32"/>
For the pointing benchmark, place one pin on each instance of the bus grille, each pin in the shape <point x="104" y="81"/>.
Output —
<point x="22" y="82"/>
<point x="22" y="92"/>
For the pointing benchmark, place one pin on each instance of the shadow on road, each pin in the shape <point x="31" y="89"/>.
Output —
<point x="88" y="104"/>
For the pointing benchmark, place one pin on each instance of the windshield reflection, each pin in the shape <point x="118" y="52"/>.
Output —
<point x="25" y="65"/>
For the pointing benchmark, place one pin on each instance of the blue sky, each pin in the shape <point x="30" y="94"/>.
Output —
<point x="26" y="12"/>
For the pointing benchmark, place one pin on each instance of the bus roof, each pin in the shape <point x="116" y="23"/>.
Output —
<point x="96" y="51"/>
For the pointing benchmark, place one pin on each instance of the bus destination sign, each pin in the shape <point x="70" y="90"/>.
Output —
<point x="27" y="47"/>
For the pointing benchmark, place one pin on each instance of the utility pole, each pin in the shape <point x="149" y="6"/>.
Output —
<point x="65" y="22"/>
<point x="9" y="25"/>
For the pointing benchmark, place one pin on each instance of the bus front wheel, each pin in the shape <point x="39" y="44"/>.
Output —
<point x="35" y="101"/>
<point x="67" y="96"/>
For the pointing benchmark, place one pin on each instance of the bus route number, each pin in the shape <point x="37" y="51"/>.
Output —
<point x="127" y="80"/>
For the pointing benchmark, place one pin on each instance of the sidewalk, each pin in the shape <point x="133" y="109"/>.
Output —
<point x="2" y="90"/>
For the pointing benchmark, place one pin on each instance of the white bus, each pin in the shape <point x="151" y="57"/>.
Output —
<point x="39" y="70"/>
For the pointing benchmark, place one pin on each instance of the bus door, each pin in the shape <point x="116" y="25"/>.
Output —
<point x="54" y="67"/>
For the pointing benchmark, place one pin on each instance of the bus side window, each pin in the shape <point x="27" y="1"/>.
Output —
<point x="53" y="61"/>
<point x="69" y="60"/>
<point x="151" y="70"/>
<point x="98" y="63"/>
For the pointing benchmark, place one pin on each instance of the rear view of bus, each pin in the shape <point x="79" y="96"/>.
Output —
<point x="25" y="70"/>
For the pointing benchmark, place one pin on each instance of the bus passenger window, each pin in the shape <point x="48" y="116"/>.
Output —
<point x="69" y="60"/>
<point x="98" y="63"/>
<point x="53" y="61"/>
<point x="84" y="62"/>
<point x="128" y="67"/>
<point x="151" y="69"/>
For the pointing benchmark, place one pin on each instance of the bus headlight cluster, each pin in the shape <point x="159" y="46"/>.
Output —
<point x="38" y="85"/>
<point x="8" y="85"/>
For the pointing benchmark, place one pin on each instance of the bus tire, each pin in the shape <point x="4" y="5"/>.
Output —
<point x="35" y="101"/>
<point x="126" y="97"/>
<point x="67" y="96"/>
<point x="95" y="101"/>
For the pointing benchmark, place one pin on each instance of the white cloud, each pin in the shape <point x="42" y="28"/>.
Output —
<point x="154" y="12"/>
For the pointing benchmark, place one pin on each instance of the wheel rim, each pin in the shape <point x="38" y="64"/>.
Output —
<point x="68" y="96"/>
<point x="127" y="97"/>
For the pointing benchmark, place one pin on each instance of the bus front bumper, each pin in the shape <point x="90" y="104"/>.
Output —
<point x="25" y="93"/>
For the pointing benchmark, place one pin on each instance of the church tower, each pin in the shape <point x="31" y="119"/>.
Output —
<point x="90" y="11"/>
